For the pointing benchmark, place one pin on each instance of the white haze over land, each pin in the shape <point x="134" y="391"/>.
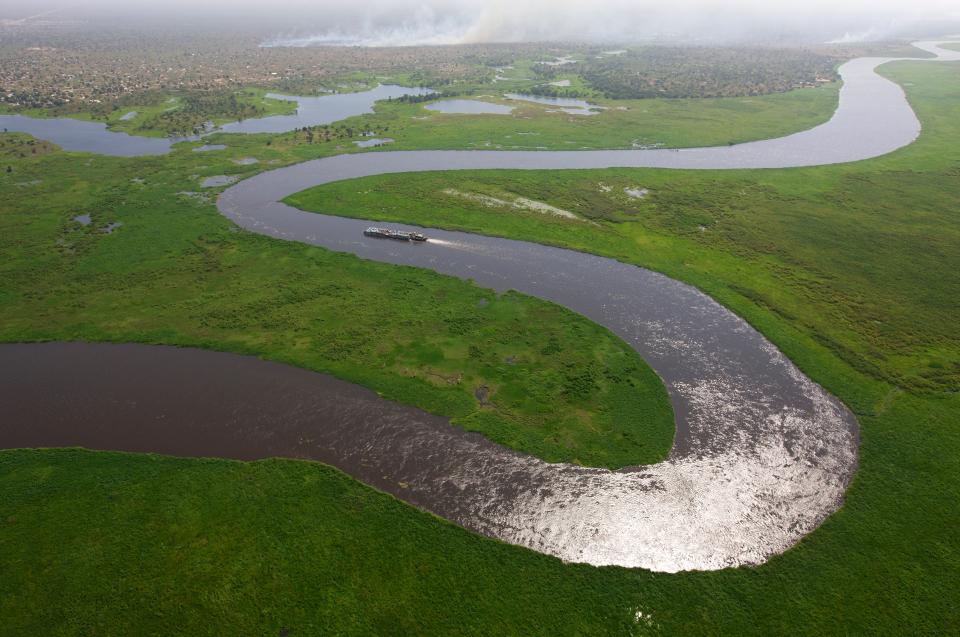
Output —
<point x="379" y="23"/>
<point x="408" y="23"/>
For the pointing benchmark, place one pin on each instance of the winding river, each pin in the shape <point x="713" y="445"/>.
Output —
<point x="762" y="455"/>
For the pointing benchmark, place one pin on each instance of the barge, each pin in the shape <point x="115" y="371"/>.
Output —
<point x="399" y="235"/>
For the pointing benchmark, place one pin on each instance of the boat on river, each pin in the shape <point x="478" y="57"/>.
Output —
<point x="399" y="235"/>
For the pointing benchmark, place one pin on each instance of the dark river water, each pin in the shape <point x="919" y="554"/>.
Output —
<point x="90" y="137"/>
<point x="762" y="455"/>
<point x="325" y="109"/>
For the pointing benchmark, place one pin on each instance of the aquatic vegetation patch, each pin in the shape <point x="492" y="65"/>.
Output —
<point x="521" y="203"/>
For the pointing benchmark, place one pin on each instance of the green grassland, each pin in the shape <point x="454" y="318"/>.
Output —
<point x="851" y="270"/>
<point x="672" y="123"/>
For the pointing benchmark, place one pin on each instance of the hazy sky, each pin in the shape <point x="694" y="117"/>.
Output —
<point x="398" y="22"/>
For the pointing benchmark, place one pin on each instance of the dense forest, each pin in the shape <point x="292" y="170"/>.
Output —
<point x="669" y="71"/>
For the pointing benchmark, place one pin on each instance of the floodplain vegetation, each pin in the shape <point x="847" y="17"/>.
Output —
<point x="192" y="112"/>
<point x="851" y="270"/>
<point x="177" y="82"/>
<point x="620" y="124"/>
<point x="178" y="114"/>
<point x="21" y="146"/>
<point x="650" y="123"/>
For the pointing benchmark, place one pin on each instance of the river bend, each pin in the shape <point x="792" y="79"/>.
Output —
<point x="762" y="455"/>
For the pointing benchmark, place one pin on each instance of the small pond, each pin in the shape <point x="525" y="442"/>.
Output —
<point x="373" y="142"/>
<point x="565" y="104"/>
<point x="208" y="147"/>
<point x="218" y="180"/>
<point x="559" y="61"/>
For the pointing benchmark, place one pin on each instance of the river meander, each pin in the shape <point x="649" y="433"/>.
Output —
<point x="762" y="455"/>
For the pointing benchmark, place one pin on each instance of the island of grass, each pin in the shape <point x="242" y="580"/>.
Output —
<point x="851" y="270"/>
<point x="180" y="114"/>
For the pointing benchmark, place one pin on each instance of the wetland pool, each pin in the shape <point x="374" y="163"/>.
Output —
<point x="94" y="137"/>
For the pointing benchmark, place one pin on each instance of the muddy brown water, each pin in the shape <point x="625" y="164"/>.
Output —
<point x="197" y="403"/>
<point x="762" y="455"/>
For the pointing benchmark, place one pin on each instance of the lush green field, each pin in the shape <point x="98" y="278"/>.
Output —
<point x="852" y="270"/>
